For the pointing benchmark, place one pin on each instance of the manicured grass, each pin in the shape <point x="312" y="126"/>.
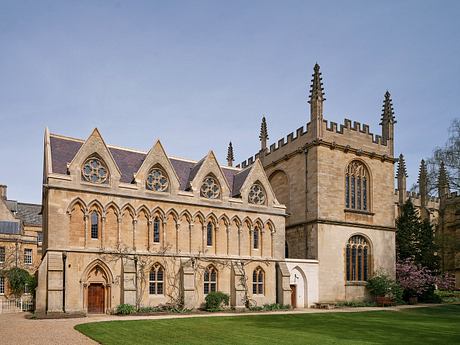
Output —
<point x="436" y="325"/>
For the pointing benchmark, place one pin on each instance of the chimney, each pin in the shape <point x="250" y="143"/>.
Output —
<point x="3" y="191"/>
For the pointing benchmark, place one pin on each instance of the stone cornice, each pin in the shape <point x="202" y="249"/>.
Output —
<point x="342" y="223"/>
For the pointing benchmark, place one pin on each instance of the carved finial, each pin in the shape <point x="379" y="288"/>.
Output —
<point x="316" y="89"/>
<point x="422" y="174"/>
<point x="387" y="111"/>
<point x="230" y="157"/>
<point x="263" y="134"/>
<point x="402" y="172"/>
<point x="423" y="187"/>
<point x="443" y="181"/>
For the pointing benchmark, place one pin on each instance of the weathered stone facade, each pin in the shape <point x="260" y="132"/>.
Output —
<point x="138" y="228"/>
<point x="308" y="171"/>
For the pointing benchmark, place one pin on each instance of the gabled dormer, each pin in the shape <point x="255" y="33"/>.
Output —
<point x="256" y="189"/>
<point x="156" y="174"/>
<point x="207" y="179"/>
<point x="94" y="164"/>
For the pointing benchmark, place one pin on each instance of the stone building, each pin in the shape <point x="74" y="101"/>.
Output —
<point x="123" y="226"/>
<point x="20" y="238"/>
<point x="337" y="182"/>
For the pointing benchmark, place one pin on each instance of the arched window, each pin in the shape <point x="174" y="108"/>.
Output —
<point x="95" y="171"/>
<point x="357" y="186"/>
<point x="210" y="189"/>
<point x="94" y="225"/>
<point x="257" y="194"/>
<point x="256" y="238"/>
<point x="156" y="280"/>
<point x="258" y="281"/>
<point x="210" y="280"/>
<point x="209" y="233"/>
<point x="156" y="230"/>
<point x="357" y="259"/>
<point x="157" y="180"/>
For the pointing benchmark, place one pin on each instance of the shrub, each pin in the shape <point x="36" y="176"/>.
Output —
<point x="356" y="304"/>
<point x="415" y="279"/>
<point x="381" y="284"/>
<point x="149" y="309"/>
<point x="215" y="300"/>
<point x="445" y="281"/>
<point x="125" y="309"/>
<point x="18" y="278"/>
<point x="276" y="306"/>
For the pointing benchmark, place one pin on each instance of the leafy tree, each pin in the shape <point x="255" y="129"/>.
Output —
<point x="18" y="278"/>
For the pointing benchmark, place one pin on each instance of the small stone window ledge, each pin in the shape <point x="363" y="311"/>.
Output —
<point x="366" y="213"/>
<point x="356" y="283"/>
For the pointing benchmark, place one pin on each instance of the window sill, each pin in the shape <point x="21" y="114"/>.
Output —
<point x="367" y="213"/>
<point x="356" y="284"/>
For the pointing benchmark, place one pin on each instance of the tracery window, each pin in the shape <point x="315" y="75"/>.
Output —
<point x="210" y="188"/>
<point x="94" y="225"/>
<point x="258" y="281"/>
<point x="357" y="259"/>
<point x="157" y="180"/>
<point x="156" y="230"/>
<point x="95" y="171"/>
<point x="256" y="238"/>
<point x="2" y="254"/>
<point x="209" y="233"/>
<point x="257" y="194"/>
<point x="2" y="285"/>
<point x="210" y="280"/>
<point x="156" y="280"/>
<point x="357" y="186"/>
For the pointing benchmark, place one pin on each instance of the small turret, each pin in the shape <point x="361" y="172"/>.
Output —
<point x="401" y="175"/>
<point x="388" y="121"/>
<point x="443" y="182"/>
<point x="423" y="189"/>
<point x="230" y="157"/>
<point x="316" y="102"/>
<point x="263" y="136"/>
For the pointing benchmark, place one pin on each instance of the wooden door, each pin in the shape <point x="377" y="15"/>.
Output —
<point x="294" y="296"/>
<point x="96" y="298"/>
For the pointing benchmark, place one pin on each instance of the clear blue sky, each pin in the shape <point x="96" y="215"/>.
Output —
<point x="197" y="74"/>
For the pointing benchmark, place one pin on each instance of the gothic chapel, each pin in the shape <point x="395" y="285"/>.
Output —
<point x="307" y="220"/>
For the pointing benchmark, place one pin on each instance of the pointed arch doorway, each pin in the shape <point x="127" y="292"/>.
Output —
<point x="97" y="288"/>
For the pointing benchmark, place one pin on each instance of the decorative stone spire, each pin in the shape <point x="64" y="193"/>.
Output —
<point x="423" y="189"/>
<point x="230" y="157"/>
<point x="401" y="175"/>
<point x="388" y="120"/>
<point x="443" y="182"/>
<point x="316" y="102"/>
<point x="263" y="136"/>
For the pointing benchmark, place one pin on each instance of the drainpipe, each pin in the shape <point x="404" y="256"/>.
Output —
<point x="64" y="258"/>
<point x="135" y="281"/>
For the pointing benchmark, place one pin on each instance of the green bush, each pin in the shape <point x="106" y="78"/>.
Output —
<point x="125" y="309"/>
<point x="215" y="301"/>
<point x="149" y="309"/>
<point x="270" y="307"/>
<point x="356" y="304"/>
<point x="18" y="278"/>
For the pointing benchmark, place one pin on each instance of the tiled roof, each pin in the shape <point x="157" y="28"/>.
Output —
<point x="239" y="179"/>
<point x="63" y="150"/>
<point x="10" y="228"/>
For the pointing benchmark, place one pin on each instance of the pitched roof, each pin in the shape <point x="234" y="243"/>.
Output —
<point x="29" y="214"/>
<point x="64" y="149"/>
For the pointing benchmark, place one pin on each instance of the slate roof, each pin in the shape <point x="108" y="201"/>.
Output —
<point x="10" y="228"/>
<point x="64" y="149"/>
<point x="29" y="214"/>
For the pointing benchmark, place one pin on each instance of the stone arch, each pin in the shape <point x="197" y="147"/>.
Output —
<point x="249" y="223"/>
<point x="351" y="169"/>
<point x="142" y="228"/>
<point x="279" y="181"/>
<point x="299" y="279"/>
<point x="114" y="206"/>
<point x="200" y="217"/>
<point x="144" y="209"/>
<point x="77" y="212"/>
<point x="97" y="278"/>
<point x="128" y="217"/>
<point x="128" y="208"/>
<point x="358" y="242"/>
<point x="112" y="217"/>
<point x="76" y="201"/>
<point x="213" y="219"/>
<point x="96" y="204"/>
<point x="187" y="215"/>
<point x="158" y="212"/>
<point x="172" y="212"/>
<point x="236" y="220"/>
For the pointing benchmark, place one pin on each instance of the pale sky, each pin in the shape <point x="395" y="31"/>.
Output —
<point x="197" y="74"/>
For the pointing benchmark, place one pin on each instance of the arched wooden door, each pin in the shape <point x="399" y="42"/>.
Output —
<point x="96" y="298"/>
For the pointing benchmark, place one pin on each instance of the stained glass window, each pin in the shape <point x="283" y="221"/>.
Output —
<point x="210" y="188"/>
<point x="356" y="186"/>
<point x="256" y="194"/>
<point x="95" y="171"/>
<point x="357" y="259"/>
<point x="157" y="180"/>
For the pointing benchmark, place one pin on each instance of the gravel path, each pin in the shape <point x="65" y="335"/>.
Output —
<point x="16" y="329"/>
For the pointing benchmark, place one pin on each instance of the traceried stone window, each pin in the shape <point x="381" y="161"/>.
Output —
<point x="95" y="171"/>
<point x="157" y="180"/>
<point x="257" y="194"/>
<point x="156" y="230"/>
<point x="357" y="187"/>
<point x="210" y="280"/>
<point x="2" y="285"/>
<point x="156" y="280"/>
<point x="2" y="254"/>
<point x="258" y="281"/>
<point x="357" y="259"/>
<point x="210" y="188"/>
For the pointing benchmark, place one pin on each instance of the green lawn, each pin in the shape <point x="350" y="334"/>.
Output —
<point x="436" y="325"/>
